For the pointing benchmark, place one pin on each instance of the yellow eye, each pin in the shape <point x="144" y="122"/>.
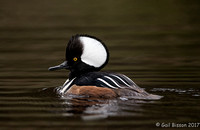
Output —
<point x="75" y="59"/>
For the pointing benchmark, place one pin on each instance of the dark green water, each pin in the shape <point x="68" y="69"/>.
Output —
<point x="155" y="43"/>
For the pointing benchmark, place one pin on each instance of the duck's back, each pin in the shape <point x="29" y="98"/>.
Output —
<point x="107" y="80"/>
<point x="107" y="85"/>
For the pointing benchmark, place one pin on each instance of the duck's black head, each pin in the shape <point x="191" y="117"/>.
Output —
<point x="84" y="54"/>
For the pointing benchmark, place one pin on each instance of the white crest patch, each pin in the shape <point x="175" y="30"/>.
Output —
<point x="94" y="53"/>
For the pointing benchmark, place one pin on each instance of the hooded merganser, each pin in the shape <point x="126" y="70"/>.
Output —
<point x="85" y="56"/>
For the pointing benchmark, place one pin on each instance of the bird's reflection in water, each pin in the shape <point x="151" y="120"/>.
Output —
<point x="94" y="109"/>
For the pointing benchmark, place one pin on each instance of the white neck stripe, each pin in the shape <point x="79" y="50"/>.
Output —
<point x="66" y="86"/>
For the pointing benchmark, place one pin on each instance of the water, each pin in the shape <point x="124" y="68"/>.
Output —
<point x="155" y="43"/>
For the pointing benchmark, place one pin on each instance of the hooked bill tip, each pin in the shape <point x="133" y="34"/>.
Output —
<point x="58" y="67"/>
<point x="51" y="68"/>
<point x="54" y="68"/>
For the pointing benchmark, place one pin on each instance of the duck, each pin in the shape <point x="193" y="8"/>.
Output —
<point x="85" y="56"/>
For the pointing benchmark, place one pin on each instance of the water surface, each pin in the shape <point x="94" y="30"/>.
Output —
<point x="155" y="43"/>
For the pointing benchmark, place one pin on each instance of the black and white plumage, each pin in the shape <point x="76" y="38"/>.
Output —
<point x="102" y="79"/>
<point x="85" y="56"/>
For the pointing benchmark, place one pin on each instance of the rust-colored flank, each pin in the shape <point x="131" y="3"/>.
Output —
<point x="92" y="91"/>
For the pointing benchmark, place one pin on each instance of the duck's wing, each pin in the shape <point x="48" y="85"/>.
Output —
<point x="123" y="85"/>
<point x="116" y="81"/>
<point x="107" y="80"/>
